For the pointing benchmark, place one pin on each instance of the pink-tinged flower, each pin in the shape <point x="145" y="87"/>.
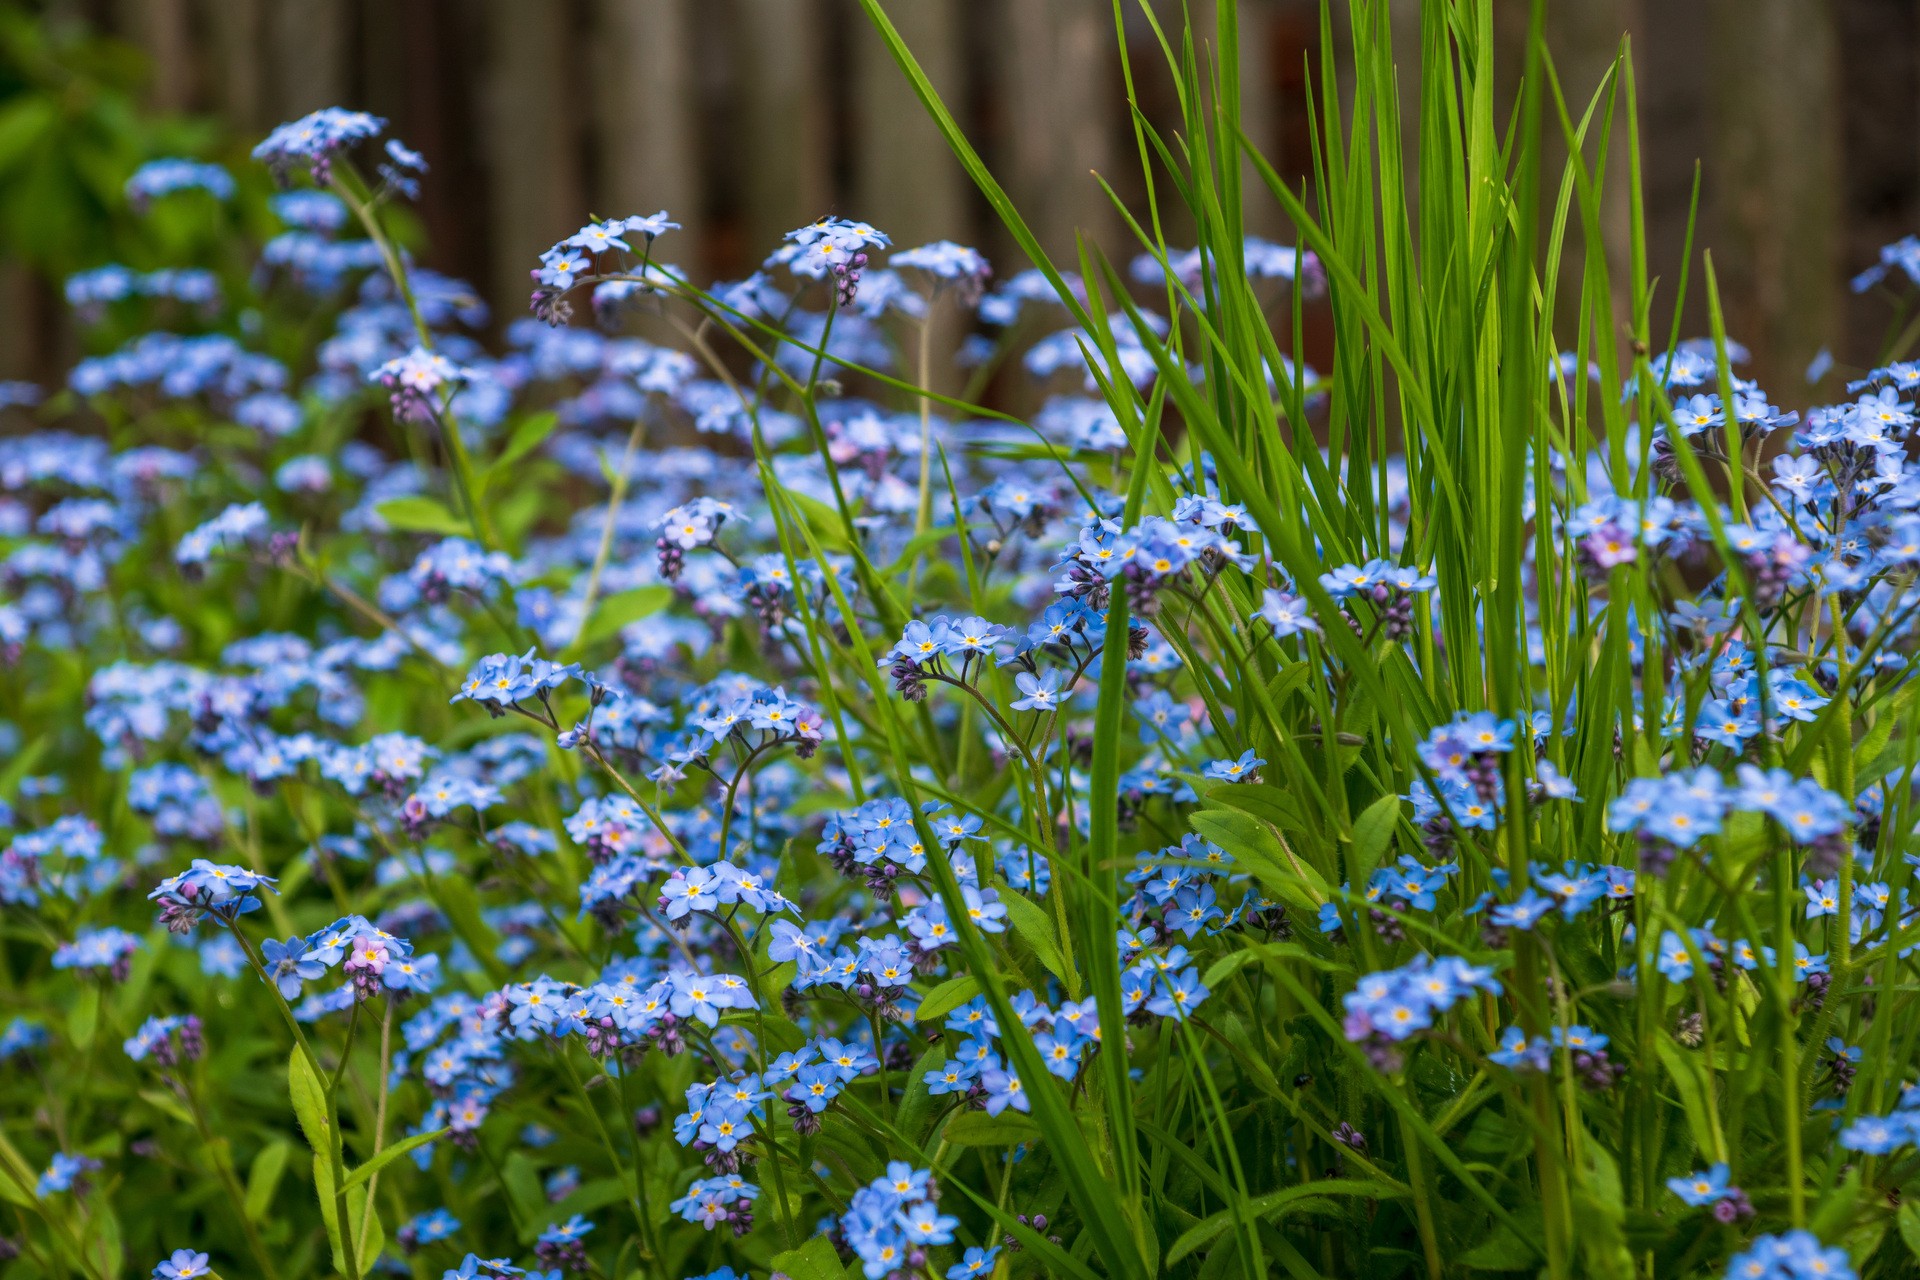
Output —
<point x="368" y="955"/>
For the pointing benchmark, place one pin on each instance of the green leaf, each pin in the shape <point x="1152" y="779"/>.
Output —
<point x="916" y="1100"/>
<point x="1287" y="683"/>
<point x="1031" y="923"/>
<point x="1863" y="1242"/>
<point x="83" y="1019"/>
<point x="1908" y="1220"/>
<point x="1876" y="738"/>
<point x="310" y="1105"/>
<point x="1600" y="1204"/>
<point x="782" y="1033"/>
<point x="264" y="1178"/>
<point x="522" y="1182"/>
<point x="167" y="1102"/>
<point x="1502" y="1250"/>
<point x="1239" y="833"/>
<point x="23" y="123"/>
<point x="947" y="997"/>
<point x="373" y="1236"/>
<point x="918" y="545"/>
<point x="822" y="519"/>
<point x="528" y="436"/>
<point x="329" y="1208"/>
<point x="17" y="1178"/>
<point x="107" y="1241"/>
<point x="21" y="764"/>
<point x="1684" y="1071"/>
<point x="1251" y="842"/>
<point x="1234" y="961"/>
<point x="616" y="611"/>
<point x="1372" y="830"/>
<point x="1600" y="1174"/>
<point x="1277" y="1205"/>
<point x="1836" y="1209"/>
<point x="422" y="515"/>
<point x="1875" y="756"/>
<point x="978" y="1129"/>
<point x="814" y="1260"/>
<point x="1264" y="801"/>
<point x="390" y="1154"/>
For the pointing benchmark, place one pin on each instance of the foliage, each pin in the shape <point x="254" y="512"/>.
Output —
<point x="723" y="808"/>
<point x="70" y="132"/>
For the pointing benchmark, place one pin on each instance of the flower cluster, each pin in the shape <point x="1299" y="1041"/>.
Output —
<point x="726" y="1200"/>
<point x="311" y="142"/>
<point x="159" y="178"/>
<point x="418" y="381"/>
<point x="1678" y="811"/>
<point x="1394" y="1005"/>
<point x="890" y="1223"/>
<point x="207" y="889"/>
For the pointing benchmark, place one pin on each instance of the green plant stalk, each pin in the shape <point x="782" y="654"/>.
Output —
<point x="649" y="1239"/>
<point x="380" y="1116"/>
<point x="923" y="510"/>
<point x="629" y="1176"/>
<point x="1110" y="1232"/>
<point x="349" y="1246"/>
<point x="1789" y="1046"/>
<point x="1422" y="1200"/>
<point x="217" y="1152"/>
<point x="353" y="193"/>
<point x="1225" y="1141"/>
<point x="802" y="604"/>
<point x="604" y="550"/>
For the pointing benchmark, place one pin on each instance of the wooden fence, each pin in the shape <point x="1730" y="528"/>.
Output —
<point x="747" y="117"/>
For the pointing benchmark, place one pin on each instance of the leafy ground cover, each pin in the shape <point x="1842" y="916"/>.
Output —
<point x="712" y="805"/>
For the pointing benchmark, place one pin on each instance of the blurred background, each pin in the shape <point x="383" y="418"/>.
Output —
<point x="745" y="118"/>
